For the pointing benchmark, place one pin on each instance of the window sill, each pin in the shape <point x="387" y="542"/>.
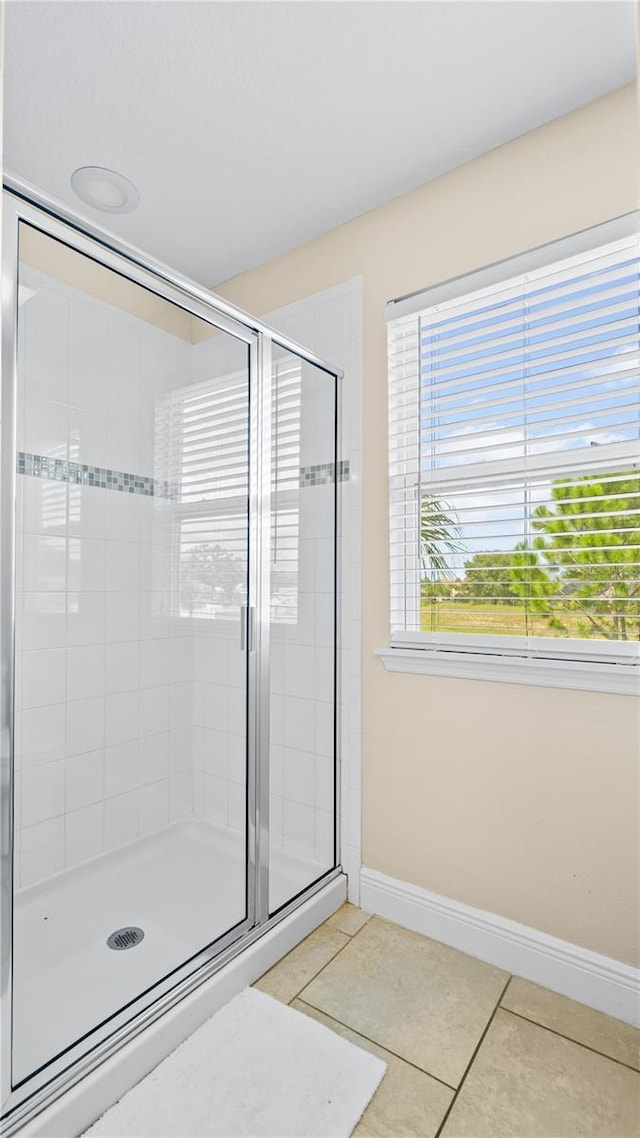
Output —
<point x="617" y="679"/>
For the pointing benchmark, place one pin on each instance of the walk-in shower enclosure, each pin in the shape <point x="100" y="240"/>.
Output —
<point x="170" y="478"/>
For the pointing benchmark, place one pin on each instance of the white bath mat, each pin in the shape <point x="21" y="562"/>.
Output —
<point x="256" y="1069"/>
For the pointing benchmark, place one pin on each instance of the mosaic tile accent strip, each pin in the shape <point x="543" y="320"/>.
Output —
<point x="322" y="473"/>
<point x="79" y="474"/>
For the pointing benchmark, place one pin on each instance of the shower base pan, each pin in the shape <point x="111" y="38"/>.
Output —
<point x="90" y="940"/>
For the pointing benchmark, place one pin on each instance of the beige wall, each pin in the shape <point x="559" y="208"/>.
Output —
<point x="522" y="801"/>
<point x="49" y="256"/>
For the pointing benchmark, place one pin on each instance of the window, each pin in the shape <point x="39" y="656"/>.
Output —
<point x="202" y="443"/>
<point x="514" y="402"/>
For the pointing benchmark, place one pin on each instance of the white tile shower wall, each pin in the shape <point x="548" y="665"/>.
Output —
<point x="330" y="323"/>
<point x="104" y="676"/>
<point x="219" y="718"/>
<point x="218" y="712"/>
<point x="301" y="786"/>
<point x="302" y="709"/>
<point x="123" y="656"/>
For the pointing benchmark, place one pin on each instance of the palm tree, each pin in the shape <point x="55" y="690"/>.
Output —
<point x="439" y="536"/>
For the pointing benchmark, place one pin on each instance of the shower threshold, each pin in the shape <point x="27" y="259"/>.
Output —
<point x="184" y="886"/>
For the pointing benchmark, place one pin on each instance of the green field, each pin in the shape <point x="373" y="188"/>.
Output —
<point x="491" y="619"/>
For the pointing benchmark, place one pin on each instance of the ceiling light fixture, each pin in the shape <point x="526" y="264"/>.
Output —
<point x="105" y="189"/>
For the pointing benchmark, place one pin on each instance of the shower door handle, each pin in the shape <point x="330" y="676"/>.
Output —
<point x="247" y="613"/>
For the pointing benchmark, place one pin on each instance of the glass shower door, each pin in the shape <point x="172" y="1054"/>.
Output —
<point x="132" y="572"/>
<point x="302" y="744"/>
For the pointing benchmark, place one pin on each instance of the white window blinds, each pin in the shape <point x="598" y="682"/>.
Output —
<point x="515" y="459"/>
<point x="286" y="388"/>
<point x="202" y="450"/>
<point x="212" y="441"/>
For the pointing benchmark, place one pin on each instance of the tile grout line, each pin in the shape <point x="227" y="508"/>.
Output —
<point x="329" y="961"/>
<point x="569" y="1039"/>
<point x="381" y="1046"/>
<point x="352" y="936"/>
<point x="321" y="969"/>
<point x="456" y="1091"/>
<point x="472" y="1060"/>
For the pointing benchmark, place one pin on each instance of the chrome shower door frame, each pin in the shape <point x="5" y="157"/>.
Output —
<point x="23" y="204"/>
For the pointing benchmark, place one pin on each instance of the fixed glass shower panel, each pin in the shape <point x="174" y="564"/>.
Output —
<point x="132" y="540"/>
<point x="302" y="751"/>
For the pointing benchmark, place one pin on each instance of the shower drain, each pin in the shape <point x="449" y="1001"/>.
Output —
<point x="125" y="938"/>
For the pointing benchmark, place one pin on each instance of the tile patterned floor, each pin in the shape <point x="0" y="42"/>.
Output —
<point x="471" y="1051"/>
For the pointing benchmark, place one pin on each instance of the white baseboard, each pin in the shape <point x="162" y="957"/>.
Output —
<point x="597" y="981"/>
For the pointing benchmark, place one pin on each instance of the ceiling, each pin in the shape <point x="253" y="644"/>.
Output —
<point x="251" y="127"/>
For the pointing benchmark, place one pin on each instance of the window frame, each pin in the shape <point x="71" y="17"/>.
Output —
<point x="565" y="662"/>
